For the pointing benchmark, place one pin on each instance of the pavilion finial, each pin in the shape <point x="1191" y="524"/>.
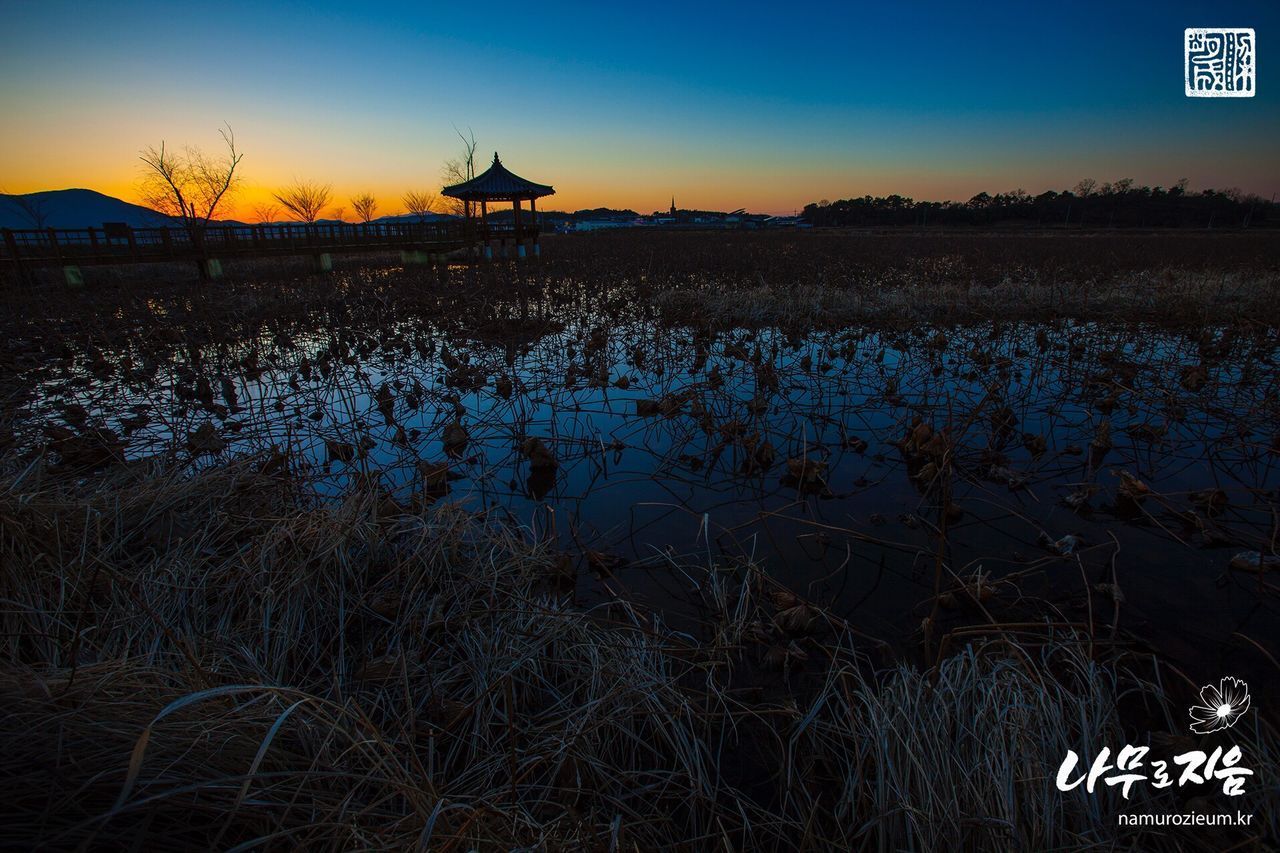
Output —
<point x="495" y="157"/>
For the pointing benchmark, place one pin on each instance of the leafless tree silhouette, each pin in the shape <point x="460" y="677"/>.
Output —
<point x="266" y="212"/>
<point x="305" y="199"/>
<point x="190" y="185"/>
<point x="365" y="205"/>
<point x="32" y="206"/>
<point x="338" y="213"/>
<point x="419" y="203"/>
<point x="461" y="168"/>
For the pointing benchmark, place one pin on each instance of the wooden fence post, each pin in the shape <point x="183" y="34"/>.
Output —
<point x="11" y="246"/>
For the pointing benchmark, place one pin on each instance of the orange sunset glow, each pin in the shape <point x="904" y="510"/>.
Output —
<point x="371" y="104"/>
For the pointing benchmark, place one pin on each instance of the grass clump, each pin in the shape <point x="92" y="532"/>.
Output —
<point x="221" y="659"/>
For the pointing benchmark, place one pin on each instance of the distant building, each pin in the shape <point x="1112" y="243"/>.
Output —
<point x="603" y="224"/>
<point x="605" y="219"/>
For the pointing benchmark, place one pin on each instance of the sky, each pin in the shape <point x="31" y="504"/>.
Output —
<point x="765" y="106"/>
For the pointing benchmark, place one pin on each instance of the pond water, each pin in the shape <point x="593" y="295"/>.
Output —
<point x="847" y="463"/>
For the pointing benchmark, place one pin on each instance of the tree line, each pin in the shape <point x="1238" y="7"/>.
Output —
<point x="194" y="188"/>
<point x="1088" y="205"/>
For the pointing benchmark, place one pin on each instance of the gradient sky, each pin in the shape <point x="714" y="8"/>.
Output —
<point x="766" y="106"/>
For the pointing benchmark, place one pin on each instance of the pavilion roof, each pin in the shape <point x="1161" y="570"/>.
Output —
<point x="497" y="183"/>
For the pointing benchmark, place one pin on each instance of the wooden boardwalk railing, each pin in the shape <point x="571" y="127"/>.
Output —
<point x="124" y="245"/>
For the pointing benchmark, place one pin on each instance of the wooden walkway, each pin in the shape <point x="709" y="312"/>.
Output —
<point x="123" y="245"/>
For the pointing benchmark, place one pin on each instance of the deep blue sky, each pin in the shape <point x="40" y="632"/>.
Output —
<point x="767" y="106"/>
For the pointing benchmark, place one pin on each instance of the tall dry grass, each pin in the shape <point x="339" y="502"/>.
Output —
<point x="220" y="659"/>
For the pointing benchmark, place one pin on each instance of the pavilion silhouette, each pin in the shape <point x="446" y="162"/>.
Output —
<point x="499" y="184"/>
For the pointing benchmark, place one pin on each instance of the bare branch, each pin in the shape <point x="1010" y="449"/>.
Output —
<point x="365" y="205"/>
<point x="461" y="168"/>
<point x="305" y="199"/>
<point x="267" y="212"/>
<point x="419" y="203"/>
<point x="190" y="186"/>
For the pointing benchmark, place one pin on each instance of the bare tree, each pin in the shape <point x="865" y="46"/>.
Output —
<point x="461" y="168"/>
<point x="419" y="203"/>
<point x="190" y="185"/>
<point x="266" y="212"/>
<point x="365" y="205"/>
<point x="305" y="199"/>
<point x="338" y="212"/>
<point x="1084" y="189"/>
<point x="32" y="206"/>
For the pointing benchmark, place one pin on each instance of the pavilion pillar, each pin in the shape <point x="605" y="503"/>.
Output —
<point x="533" y="216"/>
<point x="519" y="244"/>
<point x="468" y="232"/>
<point x="484" y="227"/>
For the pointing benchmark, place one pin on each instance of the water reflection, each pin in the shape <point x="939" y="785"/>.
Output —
<point x="1061" y="462"/>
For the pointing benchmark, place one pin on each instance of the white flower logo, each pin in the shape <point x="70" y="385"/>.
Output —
<point x="1221" y="705"/>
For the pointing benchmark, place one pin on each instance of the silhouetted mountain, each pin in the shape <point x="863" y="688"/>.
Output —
<point x="605" y="213"/>
<point x="74" y="209"/>
<point x="89" y="209"/>
<point x="412" y="217"/>
<point x="548" y="218"/>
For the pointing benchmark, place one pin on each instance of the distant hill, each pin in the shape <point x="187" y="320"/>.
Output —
<point x="399" y="217"/>
<point x="413" y="217"/>
<point x="89" y="209"/>
<point x="606" y="213"/>
<point x="548" y="218"/>
<point x="76" y="209"/>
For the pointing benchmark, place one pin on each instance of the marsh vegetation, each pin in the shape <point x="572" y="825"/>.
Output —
<point x="810" y="541"/>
